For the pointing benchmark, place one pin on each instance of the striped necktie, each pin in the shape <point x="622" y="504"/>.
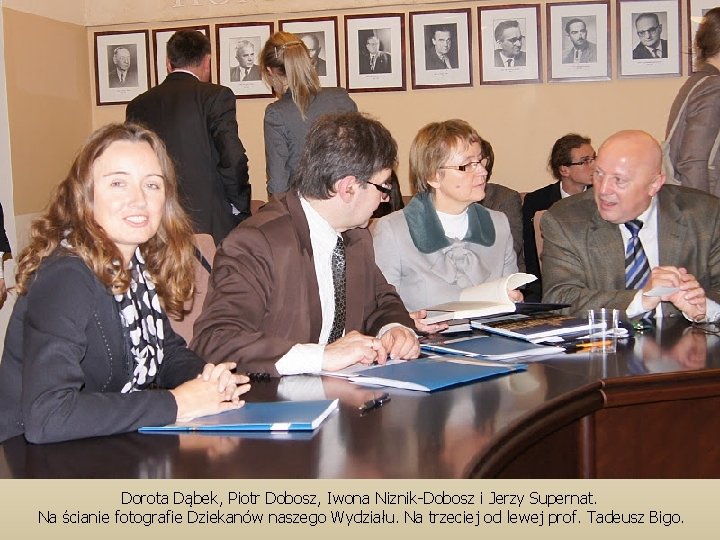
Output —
<point x="637" y="268"/>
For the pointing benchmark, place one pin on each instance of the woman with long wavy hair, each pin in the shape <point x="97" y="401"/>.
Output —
<point x="287" y="68"/>
<point x="89" y="350"/>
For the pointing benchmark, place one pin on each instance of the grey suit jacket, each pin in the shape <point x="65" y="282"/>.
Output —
<point x="285" y="132"/>
<point x="584" y="255"/>
<point x="431" y="269"/>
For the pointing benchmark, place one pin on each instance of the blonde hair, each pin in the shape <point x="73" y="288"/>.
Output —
<point x="433" y="145"/>
<point x="287" y="54"/>
<point x="70" y="216"/>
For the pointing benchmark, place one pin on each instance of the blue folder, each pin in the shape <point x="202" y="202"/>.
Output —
<point x="430" y="374"/>
<point x="271" y="416"/>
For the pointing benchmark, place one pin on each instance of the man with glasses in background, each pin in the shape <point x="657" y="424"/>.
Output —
<point x="632" y="242"/>
<point x="509" y="39"/>
<point x="649" y="30"/>
<point x="571" y="163"/>
<point x="295" y="289"/>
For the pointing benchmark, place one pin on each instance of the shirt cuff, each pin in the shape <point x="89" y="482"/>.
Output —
<point x="636" y="309"/>
<point x="302" y="358"/>
<point x="712" y="312"/>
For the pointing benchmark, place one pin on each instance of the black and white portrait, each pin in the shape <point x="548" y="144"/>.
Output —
<point x="441" y="51"/>
<point x="122" y="66"/>
<point x="510" y="43"/>
<point x="648" y="27"/>
<point x="374" y="54"/>
<point x="245" y="51"/>
<point x="579" y="40"/>
<point x="315" y="43"/>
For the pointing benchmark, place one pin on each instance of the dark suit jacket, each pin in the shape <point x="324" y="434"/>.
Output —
<point x="66" y="360"/>
<point x="382" y="63"/>
<point x="4" y="243"/>
<point x="263" y="294"/>
<point x="131" y="78"/>
<point x="253" y="74"/>
<point x="640" y="52"/>
<point x="432" y="60"/>
<point x="320" y="66"/>
<point x="540" y="199"/>
<point x="196" y="120"/>
<point x="584" y="256"/>
<point x="506" y="200"/>
<point x="520" y="59"/>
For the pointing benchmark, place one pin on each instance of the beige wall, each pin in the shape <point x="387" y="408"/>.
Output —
<point x="522" y="121"/>
<point x="48" y="94"/>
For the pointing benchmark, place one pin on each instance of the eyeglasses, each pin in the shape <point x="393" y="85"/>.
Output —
<point x="584" y="161"/>
<point x="471" y="166"/>
<point x="384" y="189"/>
<point x="647" y="32"/>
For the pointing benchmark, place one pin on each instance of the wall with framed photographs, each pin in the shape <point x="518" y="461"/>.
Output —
<point x="520" y="109"/>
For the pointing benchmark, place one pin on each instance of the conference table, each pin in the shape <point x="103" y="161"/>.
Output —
<point x="649" y="410"/>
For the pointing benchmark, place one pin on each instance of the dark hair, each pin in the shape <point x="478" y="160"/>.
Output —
<point x="573" y="21"/>
<point x="707" y="38"/>
<point x="487" y="153"/>
<point x="504" y="25"/>
<point x="648" y="15"/>
<point x="395" y="200"/>
<point x="187" y="48"/>
<point x="441" y="28"/>
<point x="340" y="145"/>
<point x="560" y="153"/>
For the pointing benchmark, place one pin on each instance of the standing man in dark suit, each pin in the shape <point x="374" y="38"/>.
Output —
<point x="571" y="163"/>
<point x="295" y="289"/>
<point x="509" y="39"/>
<point x="247" y="69"/>
<point x="196" y="120"/>
<point x="668" y="237"/>
<point x="374" y="60"/>
<point x="649" y="30"/>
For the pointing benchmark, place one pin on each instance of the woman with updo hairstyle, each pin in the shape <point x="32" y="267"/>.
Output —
<point x="89" y="350"/>
<point x="288" y="69"/>
<point x="693" y="129"/>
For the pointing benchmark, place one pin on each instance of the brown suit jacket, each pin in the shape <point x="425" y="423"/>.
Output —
<point x="584" y="257"/>
<point x="263" y="293"/>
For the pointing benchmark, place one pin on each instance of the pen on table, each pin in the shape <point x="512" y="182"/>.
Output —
<point x="374" y="403"/>
<point x="575" y="347"/>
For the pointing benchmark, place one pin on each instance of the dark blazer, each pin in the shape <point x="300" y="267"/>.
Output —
<point x="263" y="293"/>
<point x="131" y="78"/>
<point x="196" y="120"/>
<point x="520" y="59"/>
<point x="382" y="63"/>
<point x="540" y="199"/>
<point x="506" y="200"/>
<point x="432" y="60"/>
<point x="321" y="67"/>
<point x="66" y="360"/>
<point x="640" y="52"/>
<point x="253" y="74"/>
<point x="584" y="255"/>
<point x="4" y="242"/>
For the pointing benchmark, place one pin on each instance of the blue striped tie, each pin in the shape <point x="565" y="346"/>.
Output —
<point x="637" y="268"/>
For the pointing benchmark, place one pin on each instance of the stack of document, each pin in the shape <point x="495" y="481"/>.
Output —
<point x="491" y="348"/>
<point x="542" y="328"/>
<point x="425" y="374"/>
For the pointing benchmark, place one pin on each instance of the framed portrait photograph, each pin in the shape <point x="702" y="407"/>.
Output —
<point x="375" y="52"/>
<point x="649" y="38"/>
<point x="238" y="47"/>
<point x="160" y="38"/>
<point x="440" y="53"/>
<point x="122" y="66"/>
<point x="320" y="37"/>
<point x="696" y="11"/>
<point x="578" y="41"/>
<point x="510" y="44"/>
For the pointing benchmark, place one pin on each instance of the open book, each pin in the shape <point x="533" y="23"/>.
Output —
<point x="482" y="300"/>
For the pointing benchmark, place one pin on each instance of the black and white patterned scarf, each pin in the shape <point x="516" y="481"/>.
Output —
<point x="141" y="316"/>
